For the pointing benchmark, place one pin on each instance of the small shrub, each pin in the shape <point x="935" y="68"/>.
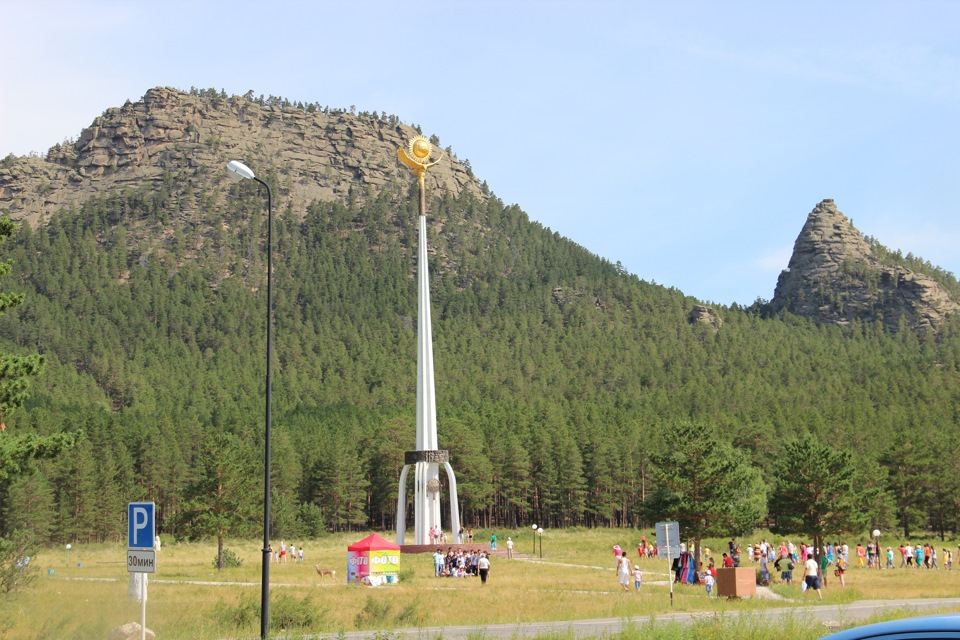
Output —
<point x="288" y="612"/>
<point x="406" y="574"/>
<point x="374" y="613"/>
<point x="410" y="616"/>
<point x="230" y="560"/>
<point x="245" y="615"/>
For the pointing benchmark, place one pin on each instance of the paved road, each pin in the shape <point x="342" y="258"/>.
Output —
<point x="830" y="616"/>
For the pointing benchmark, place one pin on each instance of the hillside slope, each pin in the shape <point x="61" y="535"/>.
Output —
<point x="558" y="374"/>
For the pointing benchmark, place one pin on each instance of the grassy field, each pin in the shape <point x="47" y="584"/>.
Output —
<point x="189" y="599"/>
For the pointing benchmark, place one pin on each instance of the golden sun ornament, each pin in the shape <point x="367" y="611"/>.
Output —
<point x="418" y="154"/>
<point x="420" y="148"/>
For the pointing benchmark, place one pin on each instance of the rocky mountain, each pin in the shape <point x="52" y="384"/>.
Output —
<point x="319" y="154"/>
<point x="837" y="276"/>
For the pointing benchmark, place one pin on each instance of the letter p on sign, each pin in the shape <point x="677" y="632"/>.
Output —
<point x="140" y="525"/>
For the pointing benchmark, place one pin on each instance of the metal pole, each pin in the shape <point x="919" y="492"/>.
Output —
<point x="666" y="533"/>
<point x="265" y="577"/>
<point x="143" y="608"/>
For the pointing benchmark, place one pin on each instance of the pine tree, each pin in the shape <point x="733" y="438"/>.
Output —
<point x="706" y="485"/>
<point x="815" y="493"/>
<point x="218" y="501"/>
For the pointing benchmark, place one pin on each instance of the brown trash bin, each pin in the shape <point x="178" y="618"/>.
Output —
<point x="739" y="582"/>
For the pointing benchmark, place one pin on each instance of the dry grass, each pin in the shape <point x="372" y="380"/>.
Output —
<point x="189" y="599"/>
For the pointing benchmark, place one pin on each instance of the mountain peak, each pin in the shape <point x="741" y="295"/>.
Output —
<point x="835" y="276"/>
<point x="318" y="154"/>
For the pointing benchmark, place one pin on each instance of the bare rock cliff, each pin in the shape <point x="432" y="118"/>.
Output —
<point x="834" y="277"/>
<point x="317" y="156"/>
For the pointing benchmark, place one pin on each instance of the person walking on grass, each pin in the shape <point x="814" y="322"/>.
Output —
<point x="811" y="576"/>
<point x="842" y="569"/>
<point x="709" y="581"/>
<point x="623" y="571"/>
<point x="483" y="566"/>
<point x="637" y="577"/>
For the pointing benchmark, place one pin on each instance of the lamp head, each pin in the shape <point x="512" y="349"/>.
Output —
<point x="239" y="171"/>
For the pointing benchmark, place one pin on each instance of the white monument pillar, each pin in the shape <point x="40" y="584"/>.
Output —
<point x="427" y="459"/>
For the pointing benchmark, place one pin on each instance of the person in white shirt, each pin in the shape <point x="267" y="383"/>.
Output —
<point x="483" y="566"/>
<point x="811" y="576"/>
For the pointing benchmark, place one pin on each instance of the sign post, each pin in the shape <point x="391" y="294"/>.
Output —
<point x="141" y="555"/>
<point x="667" y="531"/>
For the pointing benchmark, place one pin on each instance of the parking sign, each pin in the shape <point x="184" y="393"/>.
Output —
<point x="141" y="527"/>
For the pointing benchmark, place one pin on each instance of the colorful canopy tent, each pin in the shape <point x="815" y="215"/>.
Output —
<point x="373" y="558"/>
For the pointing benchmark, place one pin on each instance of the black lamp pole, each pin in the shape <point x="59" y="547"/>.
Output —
<point x="265" y="577"/>
<point x="240" y="171"/>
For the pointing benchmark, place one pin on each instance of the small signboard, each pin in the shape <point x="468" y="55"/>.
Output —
<point x="668" y="540"/>
<point x="141" y="525"/>
<point x="141" y="561"/>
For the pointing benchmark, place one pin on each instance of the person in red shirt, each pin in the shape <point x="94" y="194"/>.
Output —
<point x="727" y="561"/>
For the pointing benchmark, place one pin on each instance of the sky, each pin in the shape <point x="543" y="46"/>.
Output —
<point x="686" y="140"/>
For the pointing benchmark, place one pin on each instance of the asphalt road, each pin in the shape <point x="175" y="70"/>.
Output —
<point x="829" y="617"/>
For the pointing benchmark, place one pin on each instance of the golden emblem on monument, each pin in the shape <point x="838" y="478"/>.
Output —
<point x="419" y="155"/>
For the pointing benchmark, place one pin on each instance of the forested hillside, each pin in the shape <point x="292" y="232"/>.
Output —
<point x="558" y="375"/>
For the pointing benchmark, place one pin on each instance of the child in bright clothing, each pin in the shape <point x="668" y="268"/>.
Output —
<point x="708" y="581"/>
<point x="637" y="576"/>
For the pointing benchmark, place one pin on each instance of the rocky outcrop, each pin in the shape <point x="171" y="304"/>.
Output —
<point x="704" y="315"/>
<point x="834" y="277"/>
<point x="316" y="156"/>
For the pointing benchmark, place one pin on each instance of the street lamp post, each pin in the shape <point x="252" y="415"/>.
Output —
<point x="240" y="171"/>
<point x="876" y="547"/>
<point x="534" y="539"/>
<point x="540" y="535"/>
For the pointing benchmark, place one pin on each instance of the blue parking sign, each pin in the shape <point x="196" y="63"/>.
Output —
<point x="140" y="525"/>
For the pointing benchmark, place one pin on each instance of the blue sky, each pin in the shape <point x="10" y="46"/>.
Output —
<point x="687" y="140"/>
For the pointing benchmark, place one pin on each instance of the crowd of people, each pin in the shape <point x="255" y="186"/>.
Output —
<point x="783" y="559"/>
<point x="838" y="555"/>
<point x="461" y="564"/>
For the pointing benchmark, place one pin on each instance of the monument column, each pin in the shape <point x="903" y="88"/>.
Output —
<point x="426" y="461"/>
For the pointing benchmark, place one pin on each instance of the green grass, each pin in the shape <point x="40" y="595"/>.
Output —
<point x="575" y="581"/>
